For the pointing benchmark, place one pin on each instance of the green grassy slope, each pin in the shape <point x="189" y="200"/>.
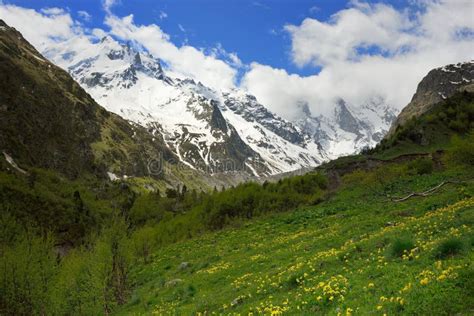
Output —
<point x="331" y="242"/>
<point x="360" y="251"/>
<point x="337" y="257"/>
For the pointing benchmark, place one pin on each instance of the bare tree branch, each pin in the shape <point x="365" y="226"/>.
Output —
<point x="425" y="193"/>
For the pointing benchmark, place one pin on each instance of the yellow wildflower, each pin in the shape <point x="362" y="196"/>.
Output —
<point x="424" y="281"/>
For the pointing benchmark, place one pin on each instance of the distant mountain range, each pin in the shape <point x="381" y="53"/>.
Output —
<point x="348" y="129"/>
<point x="209" y="132"/>
<point x="214" y="130"/>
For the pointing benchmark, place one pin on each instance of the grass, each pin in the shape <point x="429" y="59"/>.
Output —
<point x="401" y="247"/>
<point x="449" y="248"/>
<point x="406" y="147"/>
<point x="328" y="259"/>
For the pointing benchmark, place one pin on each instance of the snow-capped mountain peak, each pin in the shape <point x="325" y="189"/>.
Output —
<point x="207" y="129"/>
<point x="347" y="129"/>
<point x="248" y="107"/>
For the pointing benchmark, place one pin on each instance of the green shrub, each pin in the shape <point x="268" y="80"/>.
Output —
<point x="355" y="178"/>
<point x="449" y="248"/>
<point x="27" y="270"/>
<point x="143" y="241"/>
<point x="401" y="246"/>
<point x="462" y="150"/>
<point x="293" y="281"/>
<point x="384" y="176"/>
<point x="421" y="166"/>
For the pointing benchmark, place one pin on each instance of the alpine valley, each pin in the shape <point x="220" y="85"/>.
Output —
<point x="127" y="189"/>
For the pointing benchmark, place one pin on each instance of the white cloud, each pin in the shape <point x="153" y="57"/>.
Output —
<point x="235" y="59"/>
<point x="163" y="15"/>
<point x="280" y="90"/>
<point x="260" y="5"/>
<point x="314" y="9"/>
<point x="220" y="53"/>
<point x="273" y="32"/>
<point x="108" y="4"/>
<point x="39" y="29"/>
<point x="99" y="33"/>
<point x="184" y="60"/>
<point x="181" y="28"/>
<point x="365" y="51"/>
<point x="84" y="15"/>
<point x="321" y="43"/>
<point x="53" y="11"/>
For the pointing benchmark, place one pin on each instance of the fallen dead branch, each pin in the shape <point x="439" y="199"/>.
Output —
<point x="425" y="193"/>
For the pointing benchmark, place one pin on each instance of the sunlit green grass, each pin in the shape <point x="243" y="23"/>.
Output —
<point x="329" y="259"/>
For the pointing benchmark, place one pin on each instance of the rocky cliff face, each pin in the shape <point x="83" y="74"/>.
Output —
<point x="438" y="85"/>
<point x="248" y="107"/>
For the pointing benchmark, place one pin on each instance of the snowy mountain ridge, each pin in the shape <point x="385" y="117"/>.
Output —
<point x="207" y="129"/>
<point x="214" y="130"/>
<point x="348" y="129"/>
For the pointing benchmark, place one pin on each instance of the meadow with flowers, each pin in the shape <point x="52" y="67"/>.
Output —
<point x="386" y="232"/>
<point x="359" y="252"/>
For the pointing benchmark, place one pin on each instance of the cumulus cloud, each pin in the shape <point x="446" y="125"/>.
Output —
<point x="314" y="9"/>
<point x="364" y="51"/>
<point x="181" y="28"/>
<point x="53" y="11"/>
<point x="84" y="15"/>
<point x="41" y="29"/>
<point x="230" y="57"/>
<point x="361" y="52"/>
<point x="260" y="5"/>
<point x="282" y="91"/>
<point x="322" y="43"/>
<point x="185" y="60"/>
<point x="108" y="4"/>
<point x="52" y="28"/>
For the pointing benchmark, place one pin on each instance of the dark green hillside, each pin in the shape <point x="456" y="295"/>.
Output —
<point x="57" y="146"/>
<point x="47" y="120"/>
<point x="433" y="130"/>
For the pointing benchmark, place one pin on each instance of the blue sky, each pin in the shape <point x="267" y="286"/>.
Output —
<point x="252" y="29"/>
<point x="290" y="51"/>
